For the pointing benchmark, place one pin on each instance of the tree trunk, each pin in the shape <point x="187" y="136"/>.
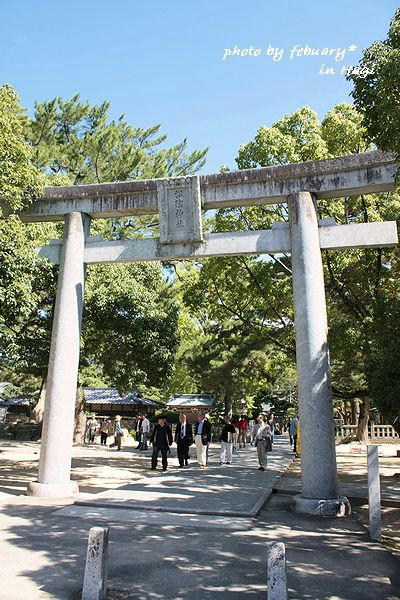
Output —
<point x="38" y="411"/>
<point x="228" y="398"/>
<point x="80" y="417"/>
<point x="347" y="412"/>
<point x="362" y="429"/>
<point x="355" y="411"/>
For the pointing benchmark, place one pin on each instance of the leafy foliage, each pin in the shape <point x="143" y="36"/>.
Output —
<point x="244" y="304"/>
<point x="377" y="95"/>
<point x="129" y="324"/>
<point x="295" y="138"/>
<point x="382" y="365"/>
<point x="77" y="140"/>
<point x="129" y="336"/>
<point x="19" y="180"/>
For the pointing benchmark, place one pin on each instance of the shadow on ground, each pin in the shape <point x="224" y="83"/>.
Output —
<point x="325" y="559"/>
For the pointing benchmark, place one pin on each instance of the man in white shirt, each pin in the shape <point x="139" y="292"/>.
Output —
<point x="183" y="439"/>
<point x="202" y="437"/>
<point x="145" y="433"/>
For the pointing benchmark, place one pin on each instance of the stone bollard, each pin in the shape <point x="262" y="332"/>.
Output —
<point x="276" y="571"/>
<point x="95" y="578"/>
<point x="374" y="493"/>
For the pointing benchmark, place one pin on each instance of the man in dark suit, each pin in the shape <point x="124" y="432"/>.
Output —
<point x="202" y="437"/>
<point x="161" y="438"/>
<point x="183" y="439"/>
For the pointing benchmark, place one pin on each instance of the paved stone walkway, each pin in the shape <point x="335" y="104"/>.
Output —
<point x="352" y="472"/>
<point x="191" y="496"/>
<point x="43" y="552"/>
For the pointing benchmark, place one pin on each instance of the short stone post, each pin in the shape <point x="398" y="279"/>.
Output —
<point x="318" y="455"/>
<point x="276" y="571"/>
<point x="374" y="493"/>
<point x="95" y="578"/>
<point x="58" y="420"/>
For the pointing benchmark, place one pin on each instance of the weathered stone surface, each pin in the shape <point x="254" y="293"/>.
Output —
<point x="58" y="420"/>
<point x="374" y="493"/>
<point x="95" y="578"/>
<point x="179" y="207"/>
<point x="276" y="571"/>
<point x="275" y="240"/>
<point x="331" y="507"/>
<point x="52" y="490"/>
<point x="318" y="458"/>
<point x="332" y="178"/>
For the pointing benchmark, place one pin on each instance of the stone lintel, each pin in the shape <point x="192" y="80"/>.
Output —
<point x="273" y="241"/>
<point x="337" y="177"/>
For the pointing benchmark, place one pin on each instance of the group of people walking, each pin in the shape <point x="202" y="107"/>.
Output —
<point x="106" y="428"/>
<point x="200" y="435"/>
<point x="185" y="436"/>
<point x="261" y="435"/>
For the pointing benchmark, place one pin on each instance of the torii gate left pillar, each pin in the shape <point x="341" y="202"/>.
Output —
<point x="58" y="420"/>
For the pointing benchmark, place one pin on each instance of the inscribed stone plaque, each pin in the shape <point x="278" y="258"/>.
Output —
<point x="179" y="207"/>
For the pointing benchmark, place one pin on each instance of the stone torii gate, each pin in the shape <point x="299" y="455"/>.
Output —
<point x="179" y="202"/>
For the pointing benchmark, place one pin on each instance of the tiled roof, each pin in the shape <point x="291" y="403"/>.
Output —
<point x="14" y="401"/>
<point x="111" y="396"/>
<point x="190" y="400"/>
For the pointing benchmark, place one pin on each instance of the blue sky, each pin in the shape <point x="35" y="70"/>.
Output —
<point x="161" y="62"/>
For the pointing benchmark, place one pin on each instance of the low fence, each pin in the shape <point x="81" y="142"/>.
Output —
<point x="374" y="431"/>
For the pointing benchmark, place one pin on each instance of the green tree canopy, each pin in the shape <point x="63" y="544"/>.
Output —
<point x="79" y="141"/>
<point x="20" y="181"/>
<point x="130" y="326"/>
<point x="249" y="299"/>
<point x="377" y="94"/>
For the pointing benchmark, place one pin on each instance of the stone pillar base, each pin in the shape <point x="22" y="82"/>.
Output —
<point x="52" y="490"/>
<point x="332" y="507"/>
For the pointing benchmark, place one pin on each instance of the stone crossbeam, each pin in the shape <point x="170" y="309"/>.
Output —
<point x="273" y="241"/>
<point x="336" y="177"/>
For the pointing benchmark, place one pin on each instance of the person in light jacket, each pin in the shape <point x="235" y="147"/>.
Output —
<point x="105" y="431"/>
<point x="262" y="438"/>
<point x="92" y="426"/>
<point x="145" y="433"/>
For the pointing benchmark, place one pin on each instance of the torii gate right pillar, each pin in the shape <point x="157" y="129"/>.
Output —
<point x="318" y="457"/>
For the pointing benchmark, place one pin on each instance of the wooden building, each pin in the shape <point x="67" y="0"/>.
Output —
<point x="190" y="404"/>
<point x="108" y="402"/>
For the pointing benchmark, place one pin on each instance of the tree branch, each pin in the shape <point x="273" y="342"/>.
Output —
<point x="258" y="286"/>
<point x="357" y="312"/>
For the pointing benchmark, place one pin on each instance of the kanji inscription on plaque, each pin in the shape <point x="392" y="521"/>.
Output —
<point x="179" y="208"/>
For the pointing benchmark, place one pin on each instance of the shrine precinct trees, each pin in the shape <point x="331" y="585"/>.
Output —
<point x="79" y="141"/>
<point x="377" y="95"/>
<point x="253" y="296"/>
<point x="129" y="334"/>
<point x="26" y="287"/>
